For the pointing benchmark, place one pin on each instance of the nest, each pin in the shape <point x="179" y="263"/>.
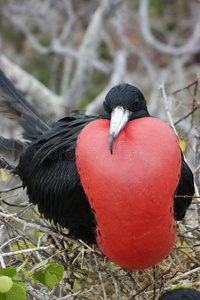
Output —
<point x="88" y="274"/>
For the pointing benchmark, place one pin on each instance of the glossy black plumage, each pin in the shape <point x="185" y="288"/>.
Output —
<point x="181" y="294"/>
<point x="52" y="179"/>
<point x="48" y="167"/>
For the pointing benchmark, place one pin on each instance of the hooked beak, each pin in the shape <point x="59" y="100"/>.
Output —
<point x="119" y="119"/>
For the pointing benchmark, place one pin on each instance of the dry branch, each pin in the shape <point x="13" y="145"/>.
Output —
<point x="88" y="51"/>
<point x="191" y="46"/>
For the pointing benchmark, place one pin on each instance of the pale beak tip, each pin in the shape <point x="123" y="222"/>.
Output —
<point x="111" y="141"/>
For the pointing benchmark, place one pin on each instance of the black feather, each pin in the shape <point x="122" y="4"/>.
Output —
<point x="14" y="106"/>
<point x="10" y="151"/>
<point x="48" y="170"/>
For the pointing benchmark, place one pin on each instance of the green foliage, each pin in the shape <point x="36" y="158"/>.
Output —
<point x="10" y="287"/>
<point x="17" y="292"/>
<point x="186" y="285"/>
<point x="49" y="276"/>
<point x="5" y="284"/>
<point x="12" y="281"/>
<point x="10" y="272"/>
<point x="53" y="274"/>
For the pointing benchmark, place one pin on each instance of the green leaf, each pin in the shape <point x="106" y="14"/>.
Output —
<point x="10" y="272"/>
<point x="39" y="275"/>
<point x="76" y="285"/>
<point x="188" y="285"/>
<point x="39" y="265"/>
<point x="50" y="279"/>
<point x="17" y="292"/>
<point x="16" y="278"/>
<point x="22" y="266"/>
<point x="182" y="145"/>
<point x="53" y="274"/>
<point x="2" y="296"/>
<point x="56" y="270"/>
<point x="5" y="284"/>
<point x="178" y="287"/>
<point x="22" y="284"/>
<point x="22" y="276"/>
<point x="4" y="176"/>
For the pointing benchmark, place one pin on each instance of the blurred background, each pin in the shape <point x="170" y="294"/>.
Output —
<point x="80" y="49"/>
<point x="83" y="47"/>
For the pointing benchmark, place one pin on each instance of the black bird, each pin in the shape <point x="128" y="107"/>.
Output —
<point x="47" y="162"/>
<point x="181" y="294"/>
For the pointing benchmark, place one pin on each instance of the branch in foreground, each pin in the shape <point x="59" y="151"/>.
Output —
<point x="30" y="250"/>
<point x="162" y="87"/>
<point x="38" y="294"/>
<point x="150" y="283"/>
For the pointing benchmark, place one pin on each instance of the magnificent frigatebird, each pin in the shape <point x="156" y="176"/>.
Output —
<point x="58" y="166"/>
<point x="181" y="294"/>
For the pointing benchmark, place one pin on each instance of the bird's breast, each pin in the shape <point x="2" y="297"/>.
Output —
<point x="131" y="190"/>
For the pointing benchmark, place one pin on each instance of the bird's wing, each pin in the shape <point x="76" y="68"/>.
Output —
<point x="185" y="187"/>
<point x="14" y="106"/>
<point x="48" y="170"/>
<point x="10" y="151"/>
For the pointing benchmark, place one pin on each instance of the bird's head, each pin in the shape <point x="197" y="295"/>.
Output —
<point x="124" y="102"/>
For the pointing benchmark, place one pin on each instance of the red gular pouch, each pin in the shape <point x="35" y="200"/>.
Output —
<point x="131" y="191"/>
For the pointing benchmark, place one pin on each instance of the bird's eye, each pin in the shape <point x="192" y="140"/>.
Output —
<point x="137" y="102"/>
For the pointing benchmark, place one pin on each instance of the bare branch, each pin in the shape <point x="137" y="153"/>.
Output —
<point x="56" y="45"/>
<point x="192" y="46"/>
<point x="88" y="52"/>
<point x="70" y="22"/>
<point x="162" y="87"/>
<point x="119" y="68"/>
<point x="37" y="294"/>
<point x="177" y="278"/>
<point x="30" y="37"/>
<point x="30" y="250"/>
